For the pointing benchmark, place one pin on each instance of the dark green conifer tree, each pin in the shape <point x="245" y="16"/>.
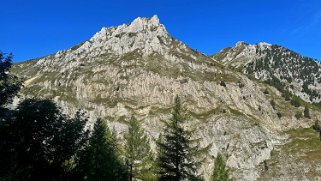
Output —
<point x="306" y="112"/>
<point x="100" y="160"/>
<point x="177" y="151"/>
<point x="137" y="150"/>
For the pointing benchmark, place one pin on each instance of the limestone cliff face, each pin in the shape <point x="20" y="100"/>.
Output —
<point x="138" y="68"/>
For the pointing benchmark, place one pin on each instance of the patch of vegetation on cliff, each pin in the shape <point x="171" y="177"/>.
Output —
<point x="307" y="141"/>
<point x="303" y="150"/>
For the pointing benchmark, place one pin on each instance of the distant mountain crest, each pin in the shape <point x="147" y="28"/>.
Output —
<point x="301" y="75"/>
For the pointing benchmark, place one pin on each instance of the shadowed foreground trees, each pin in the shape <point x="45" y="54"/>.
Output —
<point x="40" y="142"/>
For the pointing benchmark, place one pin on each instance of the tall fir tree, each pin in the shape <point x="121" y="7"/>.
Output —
<point x="137" y="151"/>
<point x="177" y="151"/>
<point x="220" y="172"/>
<point x="100" y="160"/>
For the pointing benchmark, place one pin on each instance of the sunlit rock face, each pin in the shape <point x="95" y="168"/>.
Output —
<point x="138" y="68"/>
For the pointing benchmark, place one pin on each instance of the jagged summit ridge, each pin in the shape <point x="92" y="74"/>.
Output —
<point x="140" y="24"/>
<point x="247" y="46"/>
<point x="242" y="53"/>
<point x="143" y="37"/>
<point x="261" y="44"/>
<point x="144" y="34"/>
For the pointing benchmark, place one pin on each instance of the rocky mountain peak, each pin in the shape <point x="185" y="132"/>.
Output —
<point x="240" y="43"/>
<point x="247" y="46"/>
<point x="144" y="34"/>
<point x="140" y="24"/>
<point x="264" y="44"/>
<point x="142" y="38"/>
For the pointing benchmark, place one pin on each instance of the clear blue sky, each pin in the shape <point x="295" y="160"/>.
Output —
<point x="34" y="28"/>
